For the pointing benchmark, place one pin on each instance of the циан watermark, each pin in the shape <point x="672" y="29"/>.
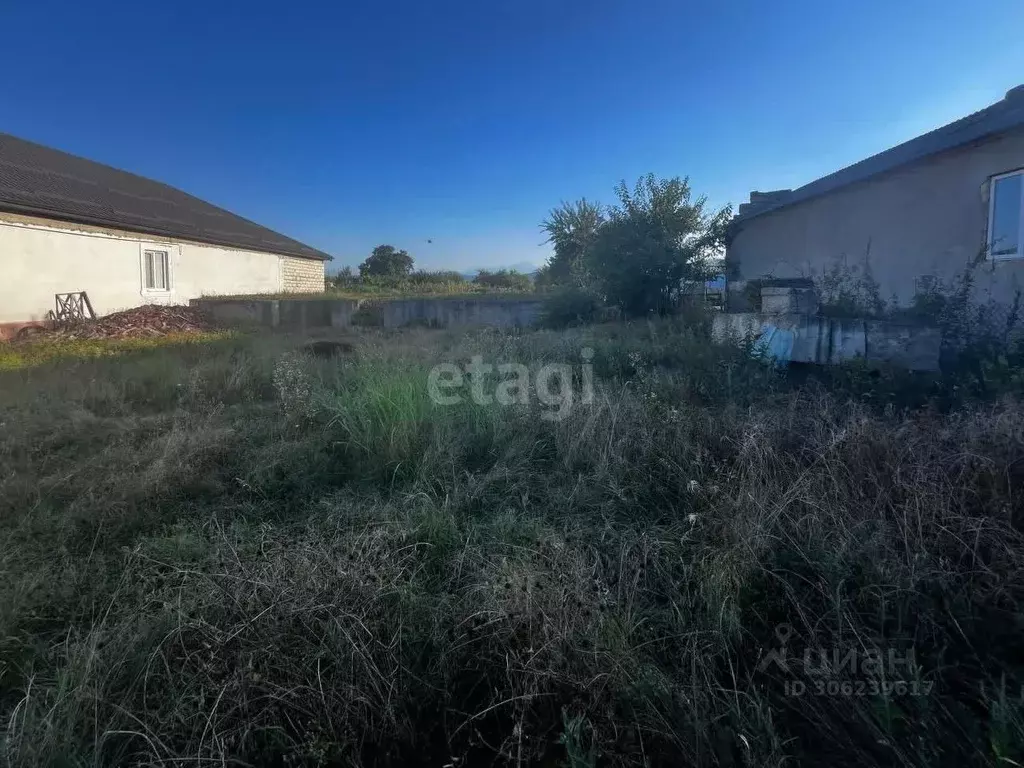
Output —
<point x="844" y="671"/>
<point x="553" y="384"/>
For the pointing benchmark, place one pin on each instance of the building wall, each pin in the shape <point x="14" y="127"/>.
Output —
<point x="928" y="218"/>
<point x="302" y="275"/>
<point x="39" y="258"/>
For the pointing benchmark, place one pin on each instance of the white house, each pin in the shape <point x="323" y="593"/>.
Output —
<point x="69" y="224"/>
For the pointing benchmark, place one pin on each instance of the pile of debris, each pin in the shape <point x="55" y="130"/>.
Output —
<point x="141" y="322"/>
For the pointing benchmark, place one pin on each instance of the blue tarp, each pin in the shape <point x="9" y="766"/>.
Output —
<point x="775" y="344"/>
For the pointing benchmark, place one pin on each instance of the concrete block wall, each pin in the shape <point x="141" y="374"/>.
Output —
<point x="302" y="275"/>
<point x="445" y="313"/>
<point x="825" y="340"/>
<point x="297" y="314"/>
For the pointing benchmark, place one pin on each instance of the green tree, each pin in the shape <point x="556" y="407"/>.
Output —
<point x="572" y="228"/>
<point x="386" y="261"/>
<point x="655" y="241"/>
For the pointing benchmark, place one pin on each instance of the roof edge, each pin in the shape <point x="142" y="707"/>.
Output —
<point x="98" y="221"/>
<point x="1000" y="117"/>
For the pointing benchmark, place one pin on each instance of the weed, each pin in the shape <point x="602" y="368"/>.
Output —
<point x="188" y="573"/>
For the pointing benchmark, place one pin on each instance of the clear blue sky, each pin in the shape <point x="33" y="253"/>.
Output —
<point x="349" y="124"/>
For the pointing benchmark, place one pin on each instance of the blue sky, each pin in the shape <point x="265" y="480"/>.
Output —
<point x="350" y="124"/>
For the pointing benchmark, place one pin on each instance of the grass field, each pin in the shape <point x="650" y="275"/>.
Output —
<point x="230" y="553"/>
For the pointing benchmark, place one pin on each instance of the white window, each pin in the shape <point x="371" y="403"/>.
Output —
<point x="156" y="275"/>
<point x="1006" y="217"/>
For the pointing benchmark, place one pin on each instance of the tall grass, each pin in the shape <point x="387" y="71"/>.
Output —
<point x="36" y="352"/>
<point x="235" y="554"/>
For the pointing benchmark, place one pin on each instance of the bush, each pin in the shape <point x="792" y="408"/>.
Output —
<point x="419" y="282"/>
<point x="641" y="253"/>
<point x="567" y="307"/>
<point x="850" y="290"/>
<point x="982" y="341"/>
<point x="344" y="280"/>
<point x="504" y="280"/>
<point x="439" y="277"/>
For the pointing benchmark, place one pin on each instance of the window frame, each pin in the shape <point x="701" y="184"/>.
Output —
<point x="144" y="251"/>
<point x="992" y="215"/>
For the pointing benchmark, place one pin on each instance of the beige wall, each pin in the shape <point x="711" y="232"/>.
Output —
<point x="928" y="218"/>
<point x="39" y="258"/>
<point x="302" y="275"/>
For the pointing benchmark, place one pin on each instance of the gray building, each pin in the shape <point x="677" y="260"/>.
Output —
<point x="925" y="208"/>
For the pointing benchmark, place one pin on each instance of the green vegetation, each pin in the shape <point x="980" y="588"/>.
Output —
<point x="432" y="284"/>
<point x="504" y="280"/>
<point x="36" y="352"/>
<point x="415" y="283"/>
<point x="386" y="261"/>
<point x="388" y="272"/>
<point x="572" y="230"/>
<point x="638" y="255"/>
<point x="236" y="554"/>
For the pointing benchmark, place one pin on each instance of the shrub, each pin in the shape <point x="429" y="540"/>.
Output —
<point x="641" y="253"/>
<point x="850" y="290"/>
<point x="345" y="279"/>
<point x="982" y="343"/>
<point x="506" y="280"/>
<point x="569" y="306"/>
<point x="440" y="277"/>
<point x="418" y="282"/>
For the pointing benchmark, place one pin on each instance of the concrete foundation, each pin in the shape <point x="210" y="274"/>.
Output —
<point x="295" y="314"/>
<point x="443" y="313"/>
<point x="824" y="340"/>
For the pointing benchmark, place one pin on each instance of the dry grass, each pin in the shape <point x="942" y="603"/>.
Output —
<point x="236" y="555"/>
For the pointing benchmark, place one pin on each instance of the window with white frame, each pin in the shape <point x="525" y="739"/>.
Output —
<point x="1006" y="216"/>
<point x="156" y="275"/>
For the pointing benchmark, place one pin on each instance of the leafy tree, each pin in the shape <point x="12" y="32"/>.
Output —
<point x="655" y="241"/>
<point x="386" y="261"/>
<point x="572" y="228"/>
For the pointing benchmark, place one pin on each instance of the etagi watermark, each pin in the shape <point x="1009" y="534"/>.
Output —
<point x="845" y="672"/>
<point x="553" y="384"/>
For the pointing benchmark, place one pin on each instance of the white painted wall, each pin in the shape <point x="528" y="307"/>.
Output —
<point x="40" y="258"/>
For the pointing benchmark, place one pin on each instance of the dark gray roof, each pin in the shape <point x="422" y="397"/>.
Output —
<point x="40" y="181"/>
<point x="1002" y="116"/>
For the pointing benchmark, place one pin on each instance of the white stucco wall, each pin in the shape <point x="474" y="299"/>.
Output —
<point x="39" y="258"/>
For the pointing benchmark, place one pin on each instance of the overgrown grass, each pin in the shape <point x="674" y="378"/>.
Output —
<point x="234" y="554"/>
<point x="14" y="355"/>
